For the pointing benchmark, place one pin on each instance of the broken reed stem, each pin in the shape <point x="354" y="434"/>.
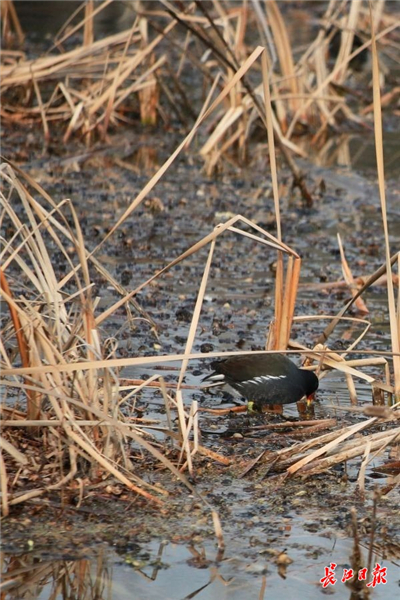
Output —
<point x="274" y="338"/>
<point x="289" y="302"/>
<point x="349" y="279"/>
<point x="16" y="322"/>
<point x="356" y="556"/>
<point x="114" y="363"/>
<point x="271" y="141"/>
<point x="373" y="529"/>
<point x="4" y="486"/>
<point x="375" y="442"/>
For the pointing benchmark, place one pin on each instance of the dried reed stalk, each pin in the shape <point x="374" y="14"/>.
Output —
<point x="11" y="23"/>
<point x="394" y="314"/>
<point x="336" y="447"/>
<point x="285" y="56"/>
<point x="349" y="279"/>
<point x="88" y="32"/>
<point x="342" y="60"/>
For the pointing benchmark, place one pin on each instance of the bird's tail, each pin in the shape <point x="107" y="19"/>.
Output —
<point x="213" y="380"/>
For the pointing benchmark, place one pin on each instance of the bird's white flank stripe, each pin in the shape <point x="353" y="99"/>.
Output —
<point x="262" y="378"/>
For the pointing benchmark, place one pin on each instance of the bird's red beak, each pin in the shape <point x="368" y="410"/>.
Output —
<point x="310" y="399"/>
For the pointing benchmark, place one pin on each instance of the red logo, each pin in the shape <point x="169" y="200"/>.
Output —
<point x="378" y="575"/>
<point x="347" y="574"/>
<point x="329" y="578"/>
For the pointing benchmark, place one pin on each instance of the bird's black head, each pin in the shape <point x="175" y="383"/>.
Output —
<point x="311" y="382"/>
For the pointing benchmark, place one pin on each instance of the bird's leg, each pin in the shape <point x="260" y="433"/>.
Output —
<point x="276" y="409"/>
<point x="306" y="409"/>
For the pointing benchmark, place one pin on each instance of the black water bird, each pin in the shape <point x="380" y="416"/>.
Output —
<point x="263" y="379"/>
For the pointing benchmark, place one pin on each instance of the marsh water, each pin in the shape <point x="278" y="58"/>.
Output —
<point x="279" y="536"/>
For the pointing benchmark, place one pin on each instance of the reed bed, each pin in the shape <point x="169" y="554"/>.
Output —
<point x="106" y="82"/>
<point x="64" y="387"/>
<point x="84" y="88"/>
<point x="66" y="423"/>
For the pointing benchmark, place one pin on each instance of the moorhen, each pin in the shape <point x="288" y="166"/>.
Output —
<point x="263" y="379"/>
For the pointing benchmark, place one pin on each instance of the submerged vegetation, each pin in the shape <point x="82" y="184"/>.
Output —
<point x="69" y="422"/>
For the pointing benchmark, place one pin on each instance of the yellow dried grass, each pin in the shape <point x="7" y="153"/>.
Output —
<point x="53" y="339"/>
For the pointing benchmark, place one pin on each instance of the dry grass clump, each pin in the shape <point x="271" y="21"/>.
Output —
<point x="65" y="425"/>
<point x="308" y="90"/>
<point x="86" y="88"/>
<point x="102" y="82"/>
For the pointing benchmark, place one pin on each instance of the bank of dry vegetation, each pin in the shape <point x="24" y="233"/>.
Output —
<point x="67" y="421"/>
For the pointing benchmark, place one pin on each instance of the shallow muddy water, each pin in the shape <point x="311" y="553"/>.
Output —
<point x="279" y="535"/>
<point x="170" y="571"/>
